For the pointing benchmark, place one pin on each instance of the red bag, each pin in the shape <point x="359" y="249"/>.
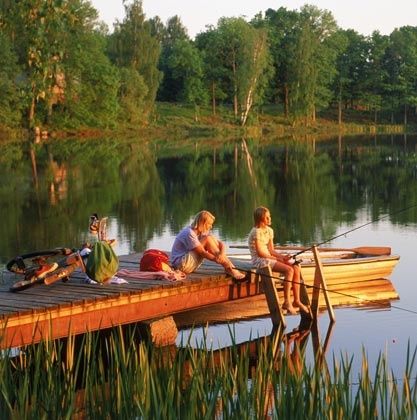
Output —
<point x="154" y="260"/>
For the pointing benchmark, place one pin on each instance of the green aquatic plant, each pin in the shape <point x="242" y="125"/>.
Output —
<point x="115" y="374"/>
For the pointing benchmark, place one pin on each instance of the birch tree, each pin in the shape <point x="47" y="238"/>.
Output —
<point x="251" y="71"/>
<point x="245" y="55"/>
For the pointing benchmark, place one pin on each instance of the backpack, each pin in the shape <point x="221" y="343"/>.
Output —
<point x="102" y="263"/>
<point x="155" y="260"/>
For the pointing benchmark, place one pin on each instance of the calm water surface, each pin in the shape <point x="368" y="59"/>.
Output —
<point x="315" y="190"/>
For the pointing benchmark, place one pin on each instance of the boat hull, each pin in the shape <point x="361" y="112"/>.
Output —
<point x="339" y="266"/>
<point x="352" y="270"/>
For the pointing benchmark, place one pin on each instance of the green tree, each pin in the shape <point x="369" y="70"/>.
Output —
<point x="132" y="95"/>
<point x="215" y="71"/>
<point x="174" y="32"/>
<point x="10" y="101"/>
<point x="350" y="65"/>
<point x="134" y="43"/>
<point x="245" y="56"/>
<point x="91" y="85"/>
<point x="64" y="70"/>
<point x="41" y="32"/>
<point x="186" y="69"/>
<point x="401" y="66"/>
<point x="314" y="63"/>
<point x="375" y="92"/>
<point x="231" y="32"/>
<point x="282" y="27"/>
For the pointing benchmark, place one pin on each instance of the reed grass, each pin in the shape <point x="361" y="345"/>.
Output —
<point x="118" y="377"/>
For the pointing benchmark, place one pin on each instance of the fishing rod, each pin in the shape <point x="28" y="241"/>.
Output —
<point x="344" y="233"/>
<point x="353" y="229"/>
<point x="331" y="239"/>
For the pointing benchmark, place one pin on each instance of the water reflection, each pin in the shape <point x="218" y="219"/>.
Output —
<point x="150" y="191"/>
<point x="282" y="351"/>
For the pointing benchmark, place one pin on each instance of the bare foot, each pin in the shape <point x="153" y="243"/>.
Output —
<point x="302" y="307"/>
<point x="290" y="309"/>
<point x="236" y="274"/>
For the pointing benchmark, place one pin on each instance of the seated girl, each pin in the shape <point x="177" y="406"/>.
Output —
<point x="261" y="247"/>
<point x="194" y="243"/>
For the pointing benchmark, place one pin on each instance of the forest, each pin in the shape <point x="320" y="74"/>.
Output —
<point x="61" y="67"/>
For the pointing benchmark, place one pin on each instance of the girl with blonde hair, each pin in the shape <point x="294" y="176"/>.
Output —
<point x="194" y="243"/>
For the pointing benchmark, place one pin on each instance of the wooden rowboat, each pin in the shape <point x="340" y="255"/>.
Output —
<point x="340" y="265"/>
<point x="355" y="277"/>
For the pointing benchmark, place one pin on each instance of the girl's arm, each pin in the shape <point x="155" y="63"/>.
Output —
<point x="272" y="250"/>
<point x="260" y="250"/>
<point x="279" y="256"/>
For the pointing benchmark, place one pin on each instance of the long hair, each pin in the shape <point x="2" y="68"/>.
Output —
<point x="201" y="218"/>
<point x="259" y="213"/>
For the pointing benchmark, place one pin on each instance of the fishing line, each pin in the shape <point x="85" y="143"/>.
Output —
<point x="333" y="238"/>
<point x="355" y="228"/>
<point x="375" y="302"/>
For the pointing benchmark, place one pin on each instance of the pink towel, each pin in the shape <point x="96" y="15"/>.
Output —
<point x="152" y="275"/>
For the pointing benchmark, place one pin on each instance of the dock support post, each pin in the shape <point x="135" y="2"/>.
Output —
<point x="271" y="295"/>
<point x="162" y="332"/>
<point x="320" y="284"/>
<point x="306" y="318"/>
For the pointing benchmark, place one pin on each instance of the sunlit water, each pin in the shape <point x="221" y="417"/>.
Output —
<point x="315" y="191"/>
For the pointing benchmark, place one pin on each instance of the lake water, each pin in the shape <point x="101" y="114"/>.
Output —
<point x="150" y="190"/>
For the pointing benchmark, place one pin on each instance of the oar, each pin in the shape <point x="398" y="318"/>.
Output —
<point x="362" y="250"/>
<point x="369" y="250"/>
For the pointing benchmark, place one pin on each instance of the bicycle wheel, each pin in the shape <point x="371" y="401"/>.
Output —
<point x="23" y="263"/>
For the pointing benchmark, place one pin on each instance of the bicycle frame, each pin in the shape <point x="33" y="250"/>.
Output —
<point x="71" y="261"/>
<point x="30" y="264"/>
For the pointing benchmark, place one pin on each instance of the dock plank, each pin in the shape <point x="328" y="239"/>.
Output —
<point x="76" y="307"/>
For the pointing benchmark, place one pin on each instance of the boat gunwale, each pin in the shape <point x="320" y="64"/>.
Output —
<point x="336" y="261"/>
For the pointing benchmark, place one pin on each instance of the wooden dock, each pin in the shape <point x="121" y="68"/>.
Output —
<point x="74" y="307"/>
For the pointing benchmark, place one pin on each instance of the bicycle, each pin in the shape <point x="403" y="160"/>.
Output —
<point x="48" y="266"/>
<point x="45" y="267"/>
